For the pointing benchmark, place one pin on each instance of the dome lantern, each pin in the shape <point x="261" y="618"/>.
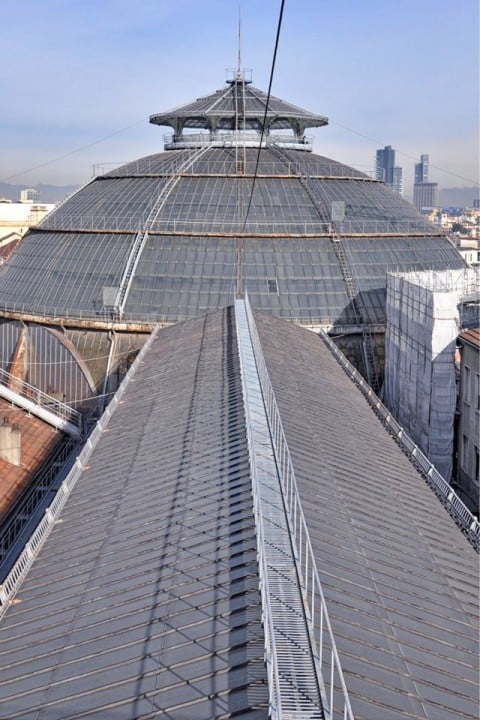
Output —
<point x="236" y="116"/>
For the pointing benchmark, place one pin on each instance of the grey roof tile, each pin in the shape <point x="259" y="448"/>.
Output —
<point x="398" y="575"/>
<point x="150" y="580"/>
<point x="144" y="600"/>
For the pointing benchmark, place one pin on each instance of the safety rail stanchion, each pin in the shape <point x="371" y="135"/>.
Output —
<point x="457" y="509"/>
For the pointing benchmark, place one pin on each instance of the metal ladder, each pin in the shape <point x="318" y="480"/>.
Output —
<point x="170" y="184"/>
<point x="368" y="340"/>
<point x="115" y="311"/>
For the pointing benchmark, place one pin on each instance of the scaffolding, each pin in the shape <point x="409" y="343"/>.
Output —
<point x="423" y="322"/>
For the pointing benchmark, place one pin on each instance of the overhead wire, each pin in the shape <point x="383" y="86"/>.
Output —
<point x="272" y="70"/>
<point x="69" y="361"/>
<point x="401" y="152"/>
<point x="73" y="152"/>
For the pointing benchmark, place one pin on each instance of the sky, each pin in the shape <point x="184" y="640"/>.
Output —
<point x="80" y="78"/>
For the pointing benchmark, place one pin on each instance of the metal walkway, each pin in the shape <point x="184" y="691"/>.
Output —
<point x="305" y="676"/>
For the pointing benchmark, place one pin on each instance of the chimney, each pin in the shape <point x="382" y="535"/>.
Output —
<point x="10" y="442"/>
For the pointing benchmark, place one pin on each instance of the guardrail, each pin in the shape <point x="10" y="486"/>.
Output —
<point x="289" y="168"/>
<point x="99" y="314"/>
<point x="238" y="138"/>
<point x="14" y="579"/>
<point x="460" y="513"/>
<point x="335" y="695"/>
<point x="130" y="224"/>
<point x="43" y="483"/>
<point x="36" y="400"/>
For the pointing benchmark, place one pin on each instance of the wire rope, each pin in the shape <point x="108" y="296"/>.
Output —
<point x="72" y="152"/>
<point x="401" y="152"/>
<point x="279" y="25"/>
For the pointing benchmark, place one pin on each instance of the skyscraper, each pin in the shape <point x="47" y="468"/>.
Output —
<point x="421" y="169"/>
<point x="387" y="171"/>
<point x="397" y="185"/>
<point x="424" y="192"/>
<point x="384" y="165"/>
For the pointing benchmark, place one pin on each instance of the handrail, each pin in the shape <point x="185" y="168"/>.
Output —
<point x="457" y="509"/>
<point x="152" y="167"/>
<point x="36" y="399"/>
<point x="287" y="640"/>
<point x="335" y="696"/>
<point x="17" y="520"/>
<point x="146" y="321"/>
<point x="235" y="138"/>
<point x="129" y="224"/>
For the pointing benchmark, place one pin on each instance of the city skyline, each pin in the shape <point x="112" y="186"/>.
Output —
<point x="86" y="79"/>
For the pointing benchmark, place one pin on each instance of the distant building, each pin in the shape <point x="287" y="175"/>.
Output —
<point x="387" y="171"/>
<point x="425" y="194"/>
<point x="385" y="162"/>
<point x="397" y="185"/>
<point x="29" y="195"/>
<point x="468" y="435"/>
<point x="18" y="217"/>
<point x="421" y="169"/>
<point x="468" y="247"/>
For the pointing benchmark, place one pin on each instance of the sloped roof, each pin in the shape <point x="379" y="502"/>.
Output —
<point x="145" y="597"/>
<point x="398" y="576"/>
<point x="471" y="336"/>
<point x="221" y="107"/>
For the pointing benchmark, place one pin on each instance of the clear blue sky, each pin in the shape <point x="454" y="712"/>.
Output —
<point x="402" y="73"/>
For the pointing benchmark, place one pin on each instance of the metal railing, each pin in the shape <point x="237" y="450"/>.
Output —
<point x="36" y="401"/>
<point x="15" y="524"/>
<point x="130" y="224"/>
<point x="148" y="318"/>
<point x="457" y="509"/>
<point x="335" y="698"/>
<point x="14" y="579"/>
<point x="234" y="138"/>
<point x="151" y="167"/>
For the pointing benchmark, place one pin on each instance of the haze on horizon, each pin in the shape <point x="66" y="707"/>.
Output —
<point x="87" y="75"/>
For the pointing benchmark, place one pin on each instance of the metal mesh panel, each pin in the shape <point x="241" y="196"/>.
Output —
<point x="70" y="274"/>
<point x="114" y="204"/>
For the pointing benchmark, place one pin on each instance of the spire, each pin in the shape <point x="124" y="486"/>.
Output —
<point x="239" y="59"/>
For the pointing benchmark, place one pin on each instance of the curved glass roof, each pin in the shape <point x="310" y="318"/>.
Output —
<point x="161" y="238"/>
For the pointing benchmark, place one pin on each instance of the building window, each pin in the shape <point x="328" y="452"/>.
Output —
<point x="272" y="285"/>
<point x="466" y="384"/>
<point x="477" y="465"/>
<point x="465" y="452"/>
<point x="477" y="392"/>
